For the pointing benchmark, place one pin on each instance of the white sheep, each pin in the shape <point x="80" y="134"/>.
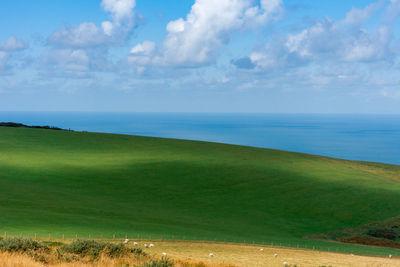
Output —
<point x="211" y="255"/>
<point x="146" y="246"/>
<point x="285" y="263"/>
<point x="164" y="254"/>
<point x="126" y="241"/>
<point x="261" y="250"/>
<point x="275" y="255"/>
<point x="390" y="256"/>
<point x="135" y="243"/>
<point x="151" y="245"/>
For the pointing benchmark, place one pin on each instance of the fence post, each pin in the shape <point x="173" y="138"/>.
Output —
<point x="5" y="234"/>
<point x="63" y="237"/>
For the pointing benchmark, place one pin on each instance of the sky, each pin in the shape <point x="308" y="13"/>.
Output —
<point x="272" y="56"/>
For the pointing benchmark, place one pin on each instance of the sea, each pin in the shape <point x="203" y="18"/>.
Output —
<point x="373" y="138"/>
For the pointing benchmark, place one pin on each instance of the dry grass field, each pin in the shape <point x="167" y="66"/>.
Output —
<point x="196" y="254"/>
<point x="251" y="256"/>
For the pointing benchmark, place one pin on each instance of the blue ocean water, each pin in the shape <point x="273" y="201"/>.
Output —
<point x="356" y="137"/>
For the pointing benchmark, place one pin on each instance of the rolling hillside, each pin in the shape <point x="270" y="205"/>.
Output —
<point x="63" y="182"/>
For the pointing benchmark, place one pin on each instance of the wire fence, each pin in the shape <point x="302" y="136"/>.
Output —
<point x="304" y="244"/>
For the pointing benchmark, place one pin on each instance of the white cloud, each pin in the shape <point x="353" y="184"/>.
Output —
<point x="88" y="34"/>
<point x="3" y="60"/>
<point x="195" y="40"/>
<point x="85" y="35"/>
<point x="13" y="44"/>
<point x="108" y="27"/>
<point x="357" y="16"/>
<point x="142" y="54"/>
<point x="119" y="9"/>
<point x="347" y="40"/>
<point x="145" y="48"/>
<point x="67" y="59"/>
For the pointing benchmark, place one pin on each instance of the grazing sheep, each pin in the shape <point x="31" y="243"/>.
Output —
<point x="390" y="256"/>
<point x="275" y="255"/>
<point x="211" y="255"/>
<point x="285" y="263"/>
<point x="261" y="250"/>
<point x="126" y="241"/>
<point x="146" y="246"/>
<point x="164" y="254"/>
<point x="151" y="245"/>
<point x="135" y="243"/>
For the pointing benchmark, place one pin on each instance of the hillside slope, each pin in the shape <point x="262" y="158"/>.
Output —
<point x="100" y="184"/>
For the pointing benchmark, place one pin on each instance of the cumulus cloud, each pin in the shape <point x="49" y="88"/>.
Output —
<point x="67" y="59"/>
<point x="141" y="55"/>
<point x="346" y="40"/>
<point x="7" y="49"/>
<point x="120" y="9"/>
<point x="85" y="35"/>
<point x="88" y="34"/>
<point x="13" y="44"/>
<point x="3" y="60"/>
<point x="208" y="27"/>
<point x="145" y="48"/>
<point x="195" y="40"/>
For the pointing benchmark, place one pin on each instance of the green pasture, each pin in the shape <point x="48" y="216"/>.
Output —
<point x="104" y="185"/>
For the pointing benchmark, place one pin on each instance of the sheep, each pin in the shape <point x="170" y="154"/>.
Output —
<point x="261" y="250"/>
<point x="390" y="256"/>
<point x="211" y="255"/>
<point x="146" y="246"/>
<point x="285" y="263"/>
<point x="151" y="245"/>
<point x="126" y="241"/>
<point x="164" y="254"/>
<point x="135" y="243"/>
<point x="275" y="255"/>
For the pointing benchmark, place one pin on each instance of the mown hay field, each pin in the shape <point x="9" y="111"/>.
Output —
<point x="234" y="255"/>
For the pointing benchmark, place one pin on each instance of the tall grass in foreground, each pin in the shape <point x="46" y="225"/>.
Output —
<point x="27" y="252"/>
<point x="20" y="260"/>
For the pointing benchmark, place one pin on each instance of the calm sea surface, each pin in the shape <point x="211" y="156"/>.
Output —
<point x="356" y="137"/>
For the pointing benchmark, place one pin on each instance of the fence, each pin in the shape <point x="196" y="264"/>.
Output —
<point x="305" y="244"/>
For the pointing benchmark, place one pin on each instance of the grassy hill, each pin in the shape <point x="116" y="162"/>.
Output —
<point x="70" y="183"/>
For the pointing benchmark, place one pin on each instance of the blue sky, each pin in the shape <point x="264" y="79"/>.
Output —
<point x="275" y="56"/>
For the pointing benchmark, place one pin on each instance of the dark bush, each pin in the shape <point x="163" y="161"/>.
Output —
<point x="163" y="262"/>
<point x="85" y="248"/>
<point x="21" y="245"/>
<point x="93" y="249"/>
<point x="383" y="233"/>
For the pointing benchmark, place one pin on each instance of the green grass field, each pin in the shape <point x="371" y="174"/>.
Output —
<point x="70" y="183"/>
